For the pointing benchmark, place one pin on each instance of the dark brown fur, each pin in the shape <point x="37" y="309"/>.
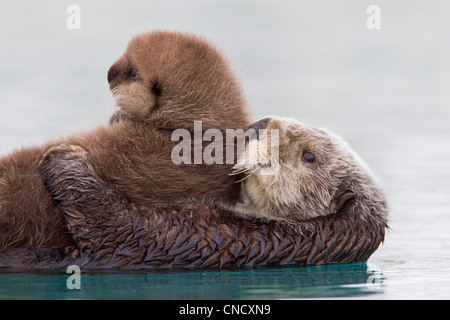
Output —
<point x="181" y="79"/>
<point x="112" y="233"/>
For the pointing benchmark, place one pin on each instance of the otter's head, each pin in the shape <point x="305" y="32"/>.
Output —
<point x="170" y="79"/>
<point x="295" y="171"/>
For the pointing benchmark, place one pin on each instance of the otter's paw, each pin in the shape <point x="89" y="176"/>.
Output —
<point x="58" y="158"/>
<point x="62" y="166"/>
<point x="64" y="151"/>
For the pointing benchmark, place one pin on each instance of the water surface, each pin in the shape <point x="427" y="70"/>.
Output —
<point x="260" y="283"/>
<point x="385" y="91"/>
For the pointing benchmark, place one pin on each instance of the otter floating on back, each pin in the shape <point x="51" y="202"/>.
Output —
<point x="322" y="206"/>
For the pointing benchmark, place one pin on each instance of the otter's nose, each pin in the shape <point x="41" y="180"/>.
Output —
<point x="113" y="72"/>
<point x="254" y="128"/>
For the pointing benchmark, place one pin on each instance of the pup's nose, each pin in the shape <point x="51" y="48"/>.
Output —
<point x="254" y="128"/>
<point x="113" y="72"/>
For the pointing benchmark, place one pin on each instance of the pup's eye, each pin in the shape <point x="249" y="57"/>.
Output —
<point x="308" y="157"/>
<point x="133" y="75"/>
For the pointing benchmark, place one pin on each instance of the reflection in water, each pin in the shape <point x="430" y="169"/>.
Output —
<point x="254" y="283"/>
<point x="385" y="91"/>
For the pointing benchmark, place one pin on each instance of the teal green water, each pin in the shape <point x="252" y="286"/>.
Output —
<point x="384" y="91"/>
<point x="261" y="283"/>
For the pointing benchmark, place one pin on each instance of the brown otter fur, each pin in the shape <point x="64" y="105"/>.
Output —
<point x="170" y="79"/>
<point x="180" y="79"/>
<point x="111" y="232"/>
<point x="312" y="173"/>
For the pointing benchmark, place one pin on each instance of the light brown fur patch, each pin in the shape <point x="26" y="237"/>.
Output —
<point x="297" y="189"/>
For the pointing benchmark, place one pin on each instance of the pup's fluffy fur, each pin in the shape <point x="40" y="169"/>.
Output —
<point x="164" y="81"/>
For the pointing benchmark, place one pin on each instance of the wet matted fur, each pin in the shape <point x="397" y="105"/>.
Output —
<point x="164" y="81"/>
<point x="345" y="224"/>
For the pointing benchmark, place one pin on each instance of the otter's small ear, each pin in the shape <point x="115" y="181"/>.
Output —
<point x="341" y="198"/>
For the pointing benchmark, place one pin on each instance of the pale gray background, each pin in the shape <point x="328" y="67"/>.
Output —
<point x="385" y="91"/>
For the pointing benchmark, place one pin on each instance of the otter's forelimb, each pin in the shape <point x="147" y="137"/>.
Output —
<point x="111" y="232"/>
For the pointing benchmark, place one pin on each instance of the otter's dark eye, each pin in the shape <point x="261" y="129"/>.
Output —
<point x="308" y="157"/>
<point x="133" y="75"/>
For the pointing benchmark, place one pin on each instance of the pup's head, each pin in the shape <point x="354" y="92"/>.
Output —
<point x="304" y="173"/>
<point x="171" y="79"/>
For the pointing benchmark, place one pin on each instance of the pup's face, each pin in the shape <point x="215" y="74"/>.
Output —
<point x="301" y="174"/>
<point x="170" y="80"/>
<point x="134" y="85"/>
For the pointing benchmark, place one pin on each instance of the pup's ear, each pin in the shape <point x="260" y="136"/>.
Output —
<point x="341" y="198"/>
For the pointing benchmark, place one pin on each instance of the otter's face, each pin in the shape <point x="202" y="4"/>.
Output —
<point x="300" y="175"/>
<point x="170" y="80"/>
<point x="134" y="84"/>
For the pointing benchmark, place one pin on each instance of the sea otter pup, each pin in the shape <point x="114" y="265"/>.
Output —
<point x="164" y="81"/>
<point x="320" y="206"/>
